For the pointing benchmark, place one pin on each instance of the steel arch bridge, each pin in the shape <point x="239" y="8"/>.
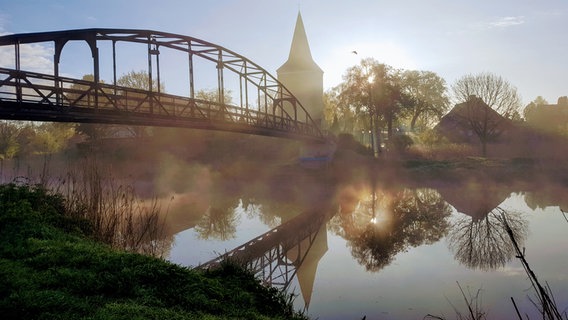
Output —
<point x="264" y="106"/>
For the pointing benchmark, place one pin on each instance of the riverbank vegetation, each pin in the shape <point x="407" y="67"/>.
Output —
<point x="52" y="268"/>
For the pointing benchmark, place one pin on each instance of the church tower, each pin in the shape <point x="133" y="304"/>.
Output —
<point x="301" y="75"/>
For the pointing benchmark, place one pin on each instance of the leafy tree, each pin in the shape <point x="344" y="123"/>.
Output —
<point x="75" y="94"/>
<point x="548" y="118"/>
<point x="335" y="107"/>
<point x="428" y="93"/>
<point x="374" y="91"/>
<point x="17" y="139"/>
<point x="25" y="140"/>
<point x="400" y="143"/>
<point x="134" y="80"/>
<point x="540" y="101"/>
<point x="210" y="95"/>
<point x="213" y="95"/>
<point x="52" y="137"/>
<point x="93" y="131"/>
<point x="8" y="140"/>
<point x="217" y="223"/>
<point x="138" y="80"/>
<point x="334" y="128"/>
<point x="529" y="110"/>
<point x="387" y="98"/>
<point x="330" y="107"/>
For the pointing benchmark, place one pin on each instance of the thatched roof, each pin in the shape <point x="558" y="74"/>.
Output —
<point x="457" y="125"/>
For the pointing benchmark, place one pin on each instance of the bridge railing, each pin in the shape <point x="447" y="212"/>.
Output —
<point x="60" y="95"/>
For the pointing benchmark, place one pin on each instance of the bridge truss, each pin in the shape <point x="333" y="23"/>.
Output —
<point x="276" y="255"/>
<point x="264" y="105"/>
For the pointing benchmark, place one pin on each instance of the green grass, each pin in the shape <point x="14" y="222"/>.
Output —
<point x="50" y="268"/>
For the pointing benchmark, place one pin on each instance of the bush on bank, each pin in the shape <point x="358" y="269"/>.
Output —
<point x="51" y="269"/>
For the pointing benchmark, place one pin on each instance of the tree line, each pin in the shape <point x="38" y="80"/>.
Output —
<point x="374" y="103"/>
<point x="375" y="99"/>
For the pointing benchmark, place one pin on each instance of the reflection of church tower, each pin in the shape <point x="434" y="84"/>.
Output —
<point x="301" y="75"/>
<point x="307" y="268"/>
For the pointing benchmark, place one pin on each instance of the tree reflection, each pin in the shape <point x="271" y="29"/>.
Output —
<point x="549" y="195"/>
<point x="218" y="223"/>
<point x="258" y="211"/>
<point x="484" y="243"/>
<point x="394" y="223"/>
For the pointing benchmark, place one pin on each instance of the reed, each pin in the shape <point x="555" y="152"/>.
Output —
<point x="545" y="302"/>
<point x="473" y="302"/>
<point x="117" y="216"/>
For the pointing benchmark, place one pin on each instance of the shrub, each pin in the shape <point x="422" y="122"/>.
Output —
<point x="400" y="142"/>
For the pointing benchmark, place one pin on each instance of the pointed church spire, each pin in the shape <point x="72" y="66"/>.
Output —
<point x="301" y="75"/>
<point x="300" y="57"/>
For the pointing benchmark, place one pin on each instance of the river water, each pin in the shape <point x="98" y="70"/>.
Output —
<point x="389" y="247"/>
<point x="389" y="250"/>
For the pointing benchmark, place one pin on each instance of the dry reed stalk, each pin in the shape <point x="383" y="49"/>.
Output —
<point x="117" y="216"/>
<point x="546" y="303"/>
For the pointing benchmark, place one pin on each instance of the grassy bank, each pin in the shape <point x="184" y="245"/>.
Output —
<point x="50" y="268"/>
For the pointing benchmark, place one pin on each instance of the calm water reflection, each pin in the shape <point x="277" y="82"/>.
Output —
<point x="389" y="251"/>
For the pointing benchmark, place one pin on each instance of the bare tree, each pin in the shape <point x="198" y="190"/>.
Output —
<point x="493" y="90"/>
<point x="484" y="243"/>
<point x="488" y="104"/>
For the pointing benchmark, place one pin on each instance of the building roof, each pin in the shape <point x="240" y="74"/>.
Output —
<point x="457" y="124"/>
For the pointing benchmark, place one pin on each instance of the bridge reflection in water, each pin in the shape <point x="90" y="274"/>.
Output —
<point x="292" y="249"/>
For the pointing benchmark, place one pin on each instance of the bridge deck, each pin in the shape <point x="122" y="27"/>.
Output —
<point x="264" y="106"/>
<point x="35" y="97"/>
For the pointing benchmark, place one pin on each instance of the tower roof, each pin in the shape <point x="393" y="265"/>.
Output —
<point x="300" y="57"/>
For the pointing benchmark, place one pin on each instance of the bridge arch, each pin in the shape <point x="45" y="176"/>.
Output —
<point x="264" y="106"/>
<point x="75" y="58"/>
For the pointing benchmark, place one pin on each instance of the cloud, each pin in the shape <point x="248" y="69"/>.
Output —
<point x="36" y="57"/>
<point x="504" y="22"/>
<point x="500" y="22"/>
<point x="33" y="57"/>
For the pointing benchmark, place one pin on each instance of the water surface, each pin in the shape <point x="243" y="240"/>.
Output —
<point x="391" y="251"/>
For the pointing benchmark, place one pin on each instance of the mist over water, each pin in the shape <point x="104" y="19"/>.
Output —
<point x="393" y="243"/>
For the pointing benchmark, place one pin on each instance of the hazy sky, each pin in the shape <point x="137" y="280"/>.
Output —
<point x="523" y="41"/>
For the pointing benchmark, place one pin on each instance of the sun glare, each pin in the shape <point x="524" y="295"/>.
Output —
<point x="340" y="58"/>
